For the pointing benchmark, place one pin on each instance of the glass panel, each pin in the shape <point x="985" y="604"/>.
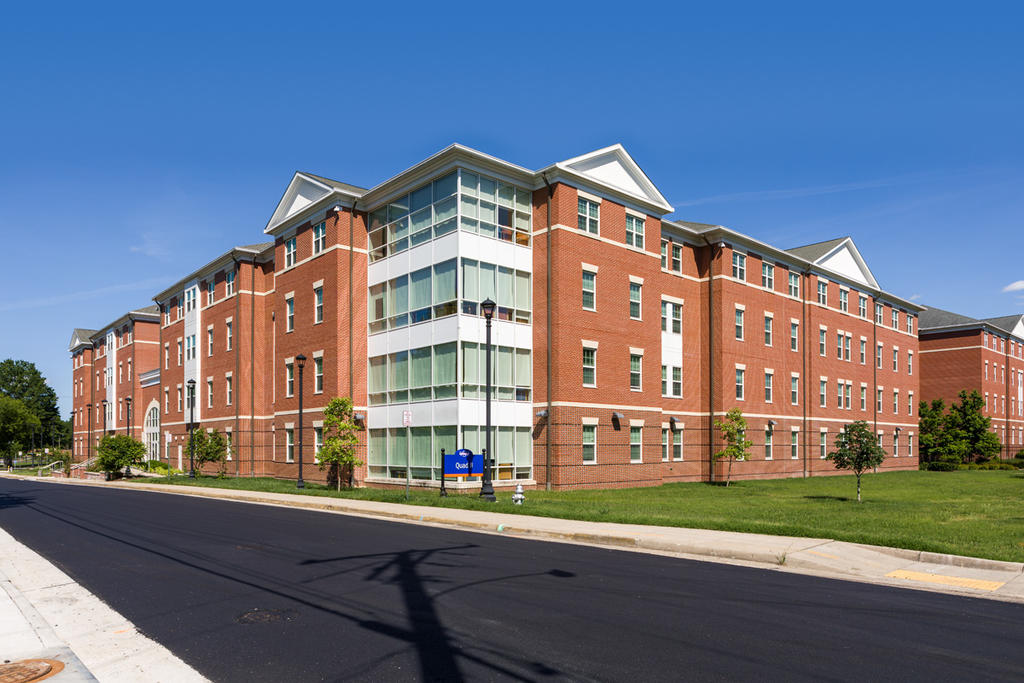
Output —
<point x="378" y="309"/>
<point x="378" y="374"/>
<point x="470" y="280"/>
<point x="399" y="451"/>
<point x="421" y="219"/>
<point x="487" y="188"/>
<point x="378" y="218"/>
<point x="445" y="227"/>
<point x="471" y="438"/>
<point x="420" y="448"/>
<point x="469" y="225"/>
<point x="420" y="362"/>
<point x="523" y="369"/>
<point x="420" y="198"/>
<point x="399" y="363"/>
<point x="398" y="208"/>
<point x="469" y="182"/>
<point x="444" y="210"/>
<point x="506" y="288"/>
<point x="377" y="447"/>
<point x="506" y="194"/>
<point x="444" y="186"/>
<point x="398" y="289"/>
<point x="488" y="212"/>
<point x="470" y="208"/>
<point x="487" y="281"/>
<point x="504" y="217"/>
<point x="523" y="290"/>
<point x="522" y="221"/>
<point x="444" y="437"/>
<point x="504" y="451"/>
<point x="470" y="363"/>
<point x="444" y="363"/>
<point x="504" y="366"/>
<point x="419" y="289"/>
<point x="523" y="199"/>
<point x="524" y="447"/>
<point x="444" y="282"/>
<point x="488" y="229"/>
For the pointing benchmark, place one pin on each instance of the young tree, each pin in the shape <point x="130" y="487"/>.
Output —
<point x="16" y="424"/>
<point x="209" y="447"/>
<point x="339" y="448"/>
<point x="21" y="379"/>
<point x="970" y="430"/>
<point x="737" y="446"/>
<point x="857" y="449"/>
<point x="932" y="438"/>
<point x="117" y="451"/>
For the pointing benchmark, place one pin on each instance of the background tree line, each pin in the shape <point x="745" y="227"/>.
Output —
<point x="960" y="434"/>
<point x="28" y="411"/>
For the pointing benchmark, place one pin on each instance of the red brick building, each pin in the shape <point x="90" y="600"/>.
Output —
<point x="959" y="353"/>
<point x="619" y="335"/>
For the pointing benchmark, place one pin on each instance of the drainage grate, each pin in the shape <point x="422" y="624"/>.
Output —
<point x="28" y="670"/>
<point x="261" y="616"/>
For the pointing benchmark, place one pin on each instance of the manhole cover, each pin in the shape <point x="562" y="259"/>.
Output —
<point x="29" y="670"/>
<point x="261" y="616"/>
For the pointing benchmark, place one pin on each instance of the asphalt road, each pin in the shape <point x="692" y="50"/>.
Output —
<point x="249" y="593"/>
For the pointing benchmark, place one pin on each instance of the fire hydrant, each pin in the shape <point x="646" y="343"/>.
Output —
<point x="518" y="497"/>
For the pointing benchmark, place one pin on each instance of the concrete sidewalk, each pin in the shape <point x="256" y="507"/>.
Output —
<point x="44" y="614"/>
<point x="816" y="556"/>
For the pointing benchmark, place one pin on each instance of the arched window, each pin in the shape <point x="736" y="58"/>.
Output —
<point x="152" y="431"/>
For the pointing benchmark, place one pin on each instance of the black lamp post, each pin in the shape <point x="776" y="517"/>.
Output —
<point x="104" y="402"/>
<point x="88" y="443"/>
<point x="128" y="409"/>
<point x="300" y="360"/>
<point x="191" y="429"/>
<point x="486" y="488"/>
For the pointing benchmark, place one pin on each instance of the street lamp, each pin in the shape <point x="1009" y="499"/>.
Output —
<point x="128" y="408"/>
<point x="88" y="443"/>
<point x="104" y="402"/>
<point x="486" y="488"/>
<point x="300" y="360"/>
<point x="191" y="428"/>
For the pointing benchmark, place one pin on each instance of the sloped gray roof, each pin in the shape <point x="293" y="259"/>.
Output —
<point x="152" y="309"/>
<point x="813" y="252"/>
<point x="936" y="317"/>
<point x="258" y="247"/>
<point x="344" y="187"/>
<point x="80" y="336"/>
<point x="1005" y="322"/>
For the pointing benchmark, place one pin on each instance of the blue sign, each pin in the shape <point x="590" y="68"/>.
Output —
<point x="463" y="463"/>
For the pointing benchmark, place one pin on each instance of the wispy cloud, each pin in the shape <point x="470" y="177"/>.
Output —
<point x="915" y="297"/>
<point x="155" y="244"/>
<point x="791" y="193"/>
<point x="83" y="295"/>
<point x="1017" y="286"/>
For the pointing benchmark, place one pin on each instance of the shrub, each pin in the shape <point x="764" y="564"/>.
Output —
<point x="1017" y="462"/>
<point x="940" y="466"/>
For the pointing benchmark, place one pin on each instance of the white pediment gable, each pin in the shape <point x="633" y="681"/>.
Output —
<point x="614" y="167"/>
<point x="1018" y="329"/>
<point x="301" y="192"/>
<point x="846" y="260"/>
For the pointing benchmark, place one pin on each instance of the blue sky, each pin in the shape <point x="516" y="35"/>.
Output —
<point x="138" y="142"/>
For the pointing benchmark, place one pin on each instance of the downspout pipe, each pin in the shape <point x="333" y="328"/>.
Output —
<point x="805" y="282"/>
<point x="351" y="296"/>
<point x="238" y="370"/>
<point x="547" y="354"/>
<point x="252" y="369"/>
<point x="1007" y="374"/>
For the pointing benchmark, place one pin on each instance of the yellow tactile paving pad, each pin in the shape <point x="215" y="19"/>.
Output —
<point x="978" y="584"/>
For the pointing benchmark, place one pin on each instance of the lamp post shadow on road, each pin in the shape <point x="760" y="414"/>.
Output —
<point x="486" y="487"/>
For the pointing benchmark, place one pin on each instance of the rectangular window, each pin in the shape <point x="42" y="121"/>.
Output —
<point x="822" y="341"/>
<point x="895" y="319"/>
<point x="822" y="387"/>
<point x="863" y="351"/>
<point x="635" y="364"/>
<point x="167" y="401"/>
<point x="895" y="360"/>
<point x="910" y="323"/>
<point x="878" y="313"/>
<point x="636" y="444"/>
<point x="767" y="330"/>
<point x="318" y="305"/>
<point x="823" y="444"/>
<point x="227" y="390"/>
<point x="849" y="395"/>
<point x="179" y="352"/>
<point x="839" y="345"/>
<point x="863" y="398"/>
<point x="677" y="381"/>
<point x="794" y="390"/>
<point x="739" y="324"/>
<point x="289" y="453"/>
<point x="289" y="379"/>
<point x="878" y="356"/>
<point x="739" y="384"/>
<point x="910" y="362"/>
<point x="589" y="367"/>
<point x="673" y="312"/>
<point x="910" y="403"/>
<point x="768" y="377"/>
<point x="634" y="231"/>
<point x="588" y="216"/>
<point x="739" y="265"/>
<point x="794" y="285"/>
<point x="209" y="341"/>
<point x="839" y="394"/>
<point x="677" y="258"/>
<point x="846" y="347"/>
<point x="664" y="445"/>
<point x="677" y="445"/>
<point x="767" y="276"/>
<point x="895" y="401"/>
<point x="210" y="291"/>
<point x="664" y="254"/>
<point x="823" y="293"/>
<point x="589" y="288"/>
<point x="794" y="336"/>
<point x="878" y="400"/>
<point x="289" y="315"/>
<point x="768" y="442"/>
<point x="209" y="393"/>
<point x="589" y="442"/>
<point x="318" y="375"/>
<point x="862" y="306"/>
<point x="634" y="300"/>
<point x="179" y="399"/>
<point x="289" y="252"/>
<point x="319" y="237"/>
<point x="227" y="335"/>
<point x="794" y="444"/>
<point x="844" y="300"/>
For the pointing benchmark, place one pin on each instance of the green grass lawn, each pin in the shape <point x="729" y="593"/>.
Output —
<point x="977" y="513"/>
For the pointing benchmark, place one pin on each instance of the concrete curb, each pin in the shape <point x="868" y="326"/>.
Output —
<point x="588" y="538"/>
